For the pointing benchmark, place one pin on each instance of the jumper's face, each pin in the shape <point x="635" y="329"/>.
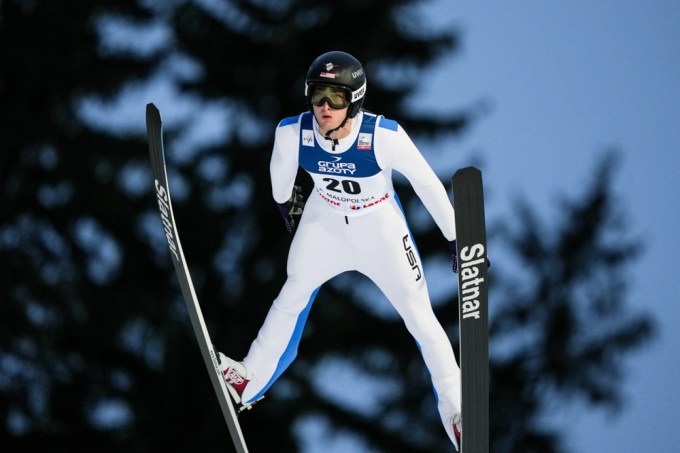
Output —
<point x="328" y="117"/>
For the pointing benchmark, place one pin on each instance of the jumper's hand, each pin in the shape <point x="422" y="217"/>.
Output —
<point x="293" y="206"/>
<point x="454" y="255"/>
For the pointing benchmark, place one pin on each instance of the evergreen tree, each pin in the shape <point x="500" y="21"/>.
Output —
<point x="96" y="350"/>
<point x="561" y="322"/>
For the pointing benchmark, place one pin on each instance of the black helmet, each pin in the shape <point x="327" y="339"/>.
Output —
<point x="342" y="70"/>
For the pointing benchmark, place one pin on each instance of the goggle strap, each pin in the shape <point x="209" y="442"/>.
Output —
<point x="356" y="95"/>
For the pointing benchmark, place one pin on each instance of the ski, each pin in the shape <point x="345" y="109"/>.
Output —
<point x="468" y="202"/>
<point x="154" y="128"/>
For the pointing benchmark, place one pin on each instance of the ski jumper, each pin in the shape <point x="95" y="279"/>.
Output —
<point x="353" y="221"/>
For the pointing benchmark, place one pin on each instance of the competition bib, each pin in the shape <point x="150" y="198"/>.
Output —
<point x="351" y="181"/>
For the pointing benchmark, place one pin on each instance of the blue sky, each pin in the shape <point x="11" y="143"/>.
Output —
<point x="561" y="82"/>
<point x="564" y="81"/>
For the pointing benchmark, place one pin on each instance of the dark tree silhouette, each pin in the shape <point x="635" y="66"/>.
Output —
<point x="562" y="321"/>
<point x="96" y="351"/>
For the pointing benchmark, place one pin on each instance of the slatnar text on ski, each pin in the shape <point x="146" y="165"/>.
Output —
<point x="470" y="271"/>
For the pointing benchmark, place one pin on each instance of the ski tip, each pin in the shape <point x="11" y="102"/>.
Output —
<point x="467" y="172"/>
<point x="152" y="113"/>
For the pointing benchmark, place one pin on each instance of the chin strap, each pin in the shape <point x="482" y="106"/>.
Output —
<point x="329" y="132"/>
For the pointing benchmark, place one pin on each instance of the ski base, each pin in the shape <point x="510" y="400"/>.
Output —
<point x="154" y="127"/>
<point x="468" y="203"/>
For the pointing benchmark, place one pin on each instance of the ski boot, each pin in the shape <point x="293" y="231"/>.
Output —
<point x="237" y="377"/>
<point x="456" y="424"/>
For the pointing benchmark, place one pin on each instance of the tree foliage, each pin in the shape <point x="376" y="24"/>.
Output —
<point x="96" y="352"/>
<point x="566" y="324"/>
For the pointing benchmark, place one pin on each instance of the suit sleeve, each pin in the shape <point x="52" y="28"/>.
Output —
<point x="284" y="162"/>
<point x="401" y="154"/>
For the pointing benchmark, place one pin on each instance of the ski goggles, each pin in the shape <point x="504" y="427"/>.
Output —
<point x="335" y="96"/>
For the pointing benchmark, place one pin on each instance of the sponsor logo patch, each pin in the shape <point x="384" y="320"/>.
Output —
<point x="364" y="141"/>
<point x="307" y="137"/>
<point x="232" y="376"/>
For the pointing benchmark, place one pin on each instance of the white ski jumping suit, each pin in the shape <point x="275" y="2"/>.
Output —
<point x="353" y="221"/>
